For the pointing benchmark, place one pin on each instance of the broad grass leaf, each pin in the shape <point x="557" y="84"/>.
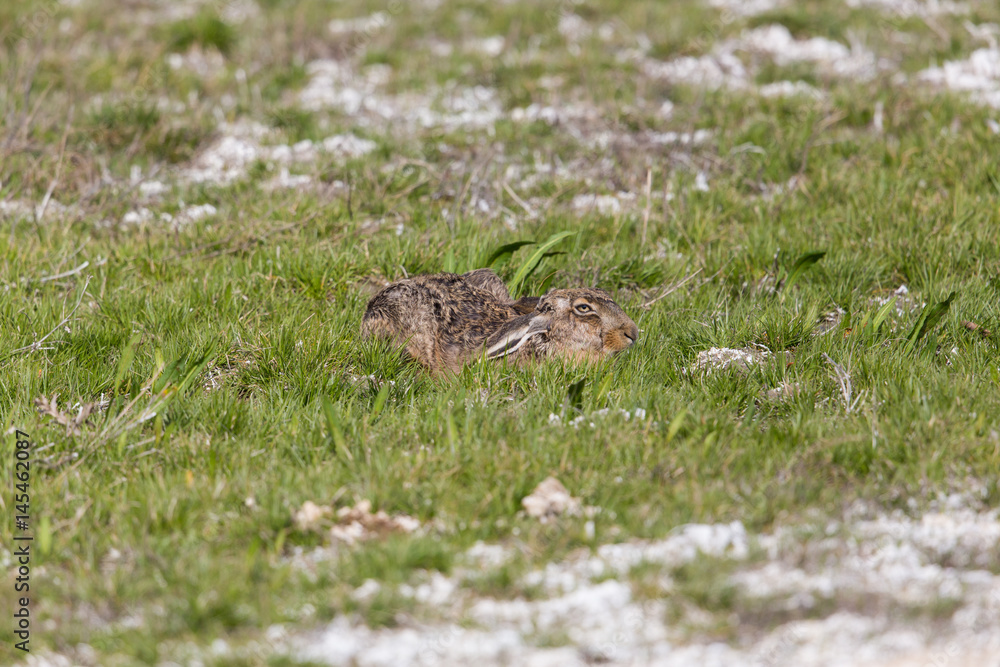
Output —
<point x="929" y="318"/>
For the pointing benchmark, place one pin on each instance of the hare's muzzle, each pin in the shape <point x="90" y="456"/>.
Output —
<point x="618" y="339"/>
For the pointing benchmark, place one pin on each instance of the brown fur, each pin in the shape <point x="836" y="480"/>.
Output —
<point x="447" y="319"/>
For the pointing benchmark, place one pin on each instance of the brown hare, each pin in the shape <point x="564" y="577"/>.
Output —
<point x="446" y="320"/>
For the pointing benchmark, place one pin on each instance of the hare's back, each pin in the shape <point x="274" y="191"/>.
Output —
<point x="441" y="318"/>
<point x="396" y="308"/>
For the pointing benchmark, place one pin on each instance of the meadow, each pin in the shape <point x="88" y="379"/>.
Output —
<point x="198" y="198"/>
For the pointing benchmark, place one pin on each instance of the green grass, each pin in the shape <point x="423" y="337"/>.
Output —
<point x="206" y="30"/>
<point x="245" y="325"/>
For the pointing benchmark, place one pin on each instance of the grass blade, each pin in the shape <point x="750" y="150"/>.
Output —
<point x="195" y="370"/>
<point x="333" y="426"/>
<point x="128" y="355"/>
<point x="543" y="287"/>
<point x="574" y="395"/>
<point x="505" y="251"/>
<point x="802" y="264"/>
<point x="882" y="314"/>
<point x="929" y="318"/>
<point x="533" y="261"/>
<point x="675" y="424"/>
<point x="170" y="373"/>
<point x="380" y="399"/>
<point x="452" y="433"/>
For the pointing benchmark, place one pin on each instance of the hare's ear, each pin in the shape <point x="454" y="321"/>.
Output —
<point x="526" y="304"/>
<point x="515" y="334"/>
<point x="488" y="281"/>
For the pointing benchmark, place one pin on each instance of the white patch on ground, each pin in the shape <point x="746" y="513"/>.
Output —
<point x="285" y="180"/>
<point x="330" y="86"/>
<point x="364" y="96"/>
<point x="20" y="209"/>
<point x="487" y="46"/>
<point x="716" y="70"/>
<point x="776" y="42"/>
<point x="194" y="214"/>
<point x="537" y="112"/>
<point x="905" y="302"/>
<point x="309" y="516"/>
<point x="302" y="151"/>
<point x="204" y="64"/>
<point x="695" y="138"/>
<point x="790" y="89"/>
<point x="784" y="392"/>
<point x="723" y="67"/>
<point x="604" y="139"/>
<point x="350" y="525"/>
<point x="610" y="205"/>
<point x="893" y="557"/>
<point x="228" y="157"/>
<point x="549" y="500"/>
<point x="483" y="555"/>
<point x="829" y="321"/>
<point x="468" y="107"/>
<point x="149" y="189"/>
<point x="590" y="419"/>
<point x="436" y="591"/>
<point x="574" y="28"/>
<point x="591" y="172"/>
<point x="747" y="7"/>
<point x="919" y="8"/>
<point x="562" y="114"/>
<point x="238" y="11"/>
<point x="871" y="567"/>
<point x="223" y="162"/>
<point x="15" y="209"/>
<point x="440" y="48"/>
<point x="701" y="182"/>
<point x="596" y="617"/>
<point x="336" y="85"/>
<point x="722" y="358"/>
<point x="241" y="144"/>
<point x="528" y="176"/>
<point x="165" y="12"/>
<point x="359" y="523"/>
<point x="588" y="601"/>
<point x="769" y="191"/>
<point x="158" y="12"/>
<point x="978" y="75"/>
<point x="365" y="24"/>
<point x="344" y="643"/>
<point x="984" y="32"/>
<point x="186" y="216"/>
<point x="601" y="618"/>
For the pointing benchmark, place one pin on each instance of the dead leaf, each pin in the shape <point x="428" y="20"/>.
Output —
<point x="353" y="524"/>
<point x="310" y="515"/>
<point x="549" y="500"/>
<point x="50" y="408"/>
<point x="972" y="326"/>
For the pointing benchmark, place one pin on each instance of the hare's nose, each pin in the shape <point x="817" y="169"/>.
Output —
<point x="632" y="333"/>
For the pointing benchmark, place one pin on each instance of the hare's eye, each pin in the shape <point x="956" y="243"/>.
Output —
<point x="583" y="308"/>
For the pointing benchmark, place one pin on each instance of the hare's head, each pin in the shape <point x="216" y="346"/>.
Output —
<point x="580" y="323"/>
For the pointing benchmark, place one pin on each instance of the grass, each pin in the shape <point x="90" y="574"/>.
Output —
<point x="244" y="325"/>
<point x="206" y="30"/>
